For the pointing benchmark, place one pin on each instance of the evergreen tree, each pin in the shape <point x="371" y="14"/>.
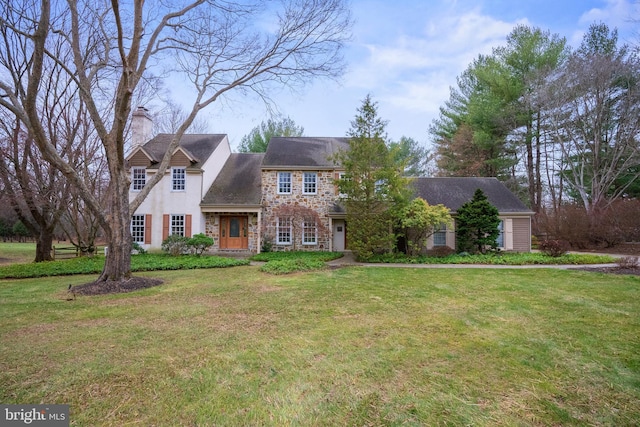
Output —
<point x="477" y="225"/>
<point x="375" y="188"/>
<point x="258" y="139"/>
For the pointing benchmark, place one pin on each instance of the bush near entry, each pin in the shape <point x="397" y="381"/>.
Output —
<point x="180" y="245"/>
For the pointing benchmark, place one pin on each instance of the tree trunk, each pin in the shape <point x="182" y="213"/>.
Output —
<point x="530" y="167"/>
<point x="117" y="266"/>
<point x="44" y="245"/>
<point x="538" y="205"/>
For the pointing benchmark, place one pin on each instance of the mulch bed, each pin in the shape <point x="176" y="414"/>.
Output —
<point x="114" y="287"/>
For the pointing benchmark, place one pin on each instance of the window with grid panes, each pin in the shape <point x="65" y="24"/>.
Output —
<point x="137" y="228"/>
<point x="138" y="178"/>
<point x="177" y="225"/>
<point x="440" y="236"/>
<point x="309" y="232"/>
<point x="309" y="183"/>
<point x="284" y="182"/>
<point x="283" y="231"/>
<point x="178" y="179"/>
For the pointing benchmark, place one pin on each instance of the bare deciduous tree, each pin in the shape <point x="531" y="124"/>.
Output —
<point x="217" y="46"/>
<point x="595" y="119"/>
<point x="36" y="192"/>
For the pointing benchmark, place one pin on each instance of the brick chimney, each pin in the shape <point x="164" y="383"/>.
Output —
<point x="141" y="127"/>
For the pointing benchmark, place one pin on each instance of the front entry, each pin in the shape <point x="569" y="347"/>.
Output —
<point x="234" y="232"/>
<point x="339" y="235"/>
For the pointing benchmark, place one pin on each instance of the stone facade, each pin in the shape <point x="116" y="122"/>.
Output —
<point x="212" y="227"/>
<point x="320" y="202"/>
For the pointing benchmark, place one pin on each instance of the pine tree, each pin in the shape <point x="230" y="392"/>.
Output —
<point x="373" y="184"/>
<point x="477" y="225"/>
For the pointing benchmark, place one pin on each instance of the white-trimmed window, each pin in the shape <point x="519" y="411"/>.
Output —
<point x="178" y="179"/>
<point x="138" y="178"/>
<point x="177" y="225"/>
<point x="440" y="236"/>
<point x="137" y="228"/>
<point x="342" y="176"/>
<point x="309" y="183"/>
<point x="283" y="231"/>
<point x="284" y="182"/>
<point x="309" y="232"/>
<point x="500" y="239"/>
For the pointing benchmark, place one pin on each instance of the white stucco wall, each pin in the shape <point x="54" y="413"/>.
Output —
<point x="163" y="200"/>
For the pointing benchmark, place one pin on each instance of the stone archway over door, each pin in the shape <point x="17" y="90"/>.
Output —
<point x="234" y="233"/>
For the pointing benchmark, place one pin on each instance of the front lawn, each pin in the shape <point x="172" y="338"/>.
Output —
<point x="354" y="346"/>
<point x="94" y="265"/>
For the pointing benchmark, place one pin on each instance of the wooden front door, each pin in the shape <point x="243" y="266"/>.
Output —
<point x="234" y="233"/>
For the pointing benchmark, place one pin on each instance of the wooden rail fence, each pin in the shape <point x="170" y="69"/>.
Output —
<point x="65" y="252"/>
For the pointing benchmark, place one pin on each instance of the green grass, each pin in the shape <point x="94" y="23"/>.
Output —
<point x="94" y="265"/>
<point x="17" y="252"/>
<point x="352" y="346"/>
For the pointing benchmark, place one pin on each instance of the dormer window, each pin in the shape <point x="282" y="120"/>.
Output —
<point x="178" y="179"/>
<point x="138" y="178"/>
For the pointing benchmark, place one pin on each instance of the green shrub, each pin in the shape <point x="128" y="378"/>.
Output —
<point x="267" y="244"/>
<point x="175" y="245"/>
<point x="137" y="248"/>
<point x="286" y="266"/>
<point x="199" y="243"/>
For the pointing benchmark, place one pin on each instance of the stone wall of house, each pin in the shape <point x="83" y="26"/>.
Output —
<point x="321" y="202"/>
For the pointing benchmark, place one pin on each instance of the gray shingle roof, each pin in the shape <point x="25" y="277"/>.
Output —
<point x="303" y="152"/>
<point x="238" y="182"/>
<point x="454" y="192"/>
<point x="198" y="146"/>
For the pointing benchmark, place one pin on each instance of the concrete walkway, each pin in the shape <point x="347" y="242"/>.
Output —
<point x="349" y="260"/>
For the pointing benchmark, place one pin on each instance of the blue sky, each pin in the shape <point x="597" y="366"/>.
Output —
<point x="408" y="53"/>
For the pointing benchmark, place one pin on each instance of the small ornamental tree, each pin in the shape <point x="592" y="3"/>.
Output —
<point x="477" y="225"/>
<point x="200" y="243"/>
<point x="420" y="220"/>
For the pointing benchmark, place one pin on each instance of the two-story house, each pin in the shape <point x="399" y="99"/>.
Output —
<point x="286" y="196"/>
<point x="173" y="205"/>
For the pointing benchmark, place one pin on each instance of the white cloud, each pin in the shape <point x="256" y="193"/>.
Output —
<point x="620" y="14"/>
<point x="411" y="73"/>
